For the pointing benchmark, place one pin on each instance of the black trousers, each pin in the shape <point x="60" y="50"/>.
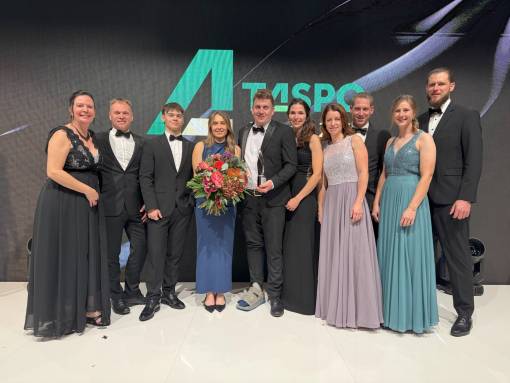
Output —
<point x="370" y="200"/>
<point x="453" y="236"/>
<point x="263" y="228"/>
<point x="166" y="240"/>
<point x="135" y="231"/>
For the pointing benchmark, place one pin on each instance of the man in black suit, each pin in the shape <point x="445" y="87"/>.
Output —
<point x="121" y="198"/>
<point x="362" y="108"/>
<point x="165" y="169"/>
<point x="457" y="134"/>
<point x="269" y="149"/>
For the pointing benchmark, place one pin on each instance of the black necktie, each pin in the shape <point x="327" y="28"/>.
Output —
<point x="360" y="130"/>
<point x="435" y="110"/>
<point x="171" y="138"/>
<point x="119" y="133"/>
<point x="258" y="129"/>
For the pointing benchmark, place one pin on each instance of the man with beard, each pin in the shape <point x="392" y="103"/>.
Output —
<point x="458" y="137"/>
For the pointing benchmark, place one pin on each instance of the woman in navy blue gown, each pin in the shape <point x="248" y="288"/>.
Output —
<point x="215" y="234"/>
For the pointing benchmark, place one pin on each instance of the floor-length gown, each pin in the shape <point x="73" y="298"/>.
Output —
<point x="406" y="254"/>
<point x="68" y="269"/>
<point x="215" y="243"/>
<point x="349" y="286"/>
<point x="301" y="243"/>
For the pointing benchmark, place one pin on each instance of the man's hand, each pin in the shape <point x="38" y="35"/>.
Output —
<point x="144" y="214"/>
<point x="460" y="209"/>
<point x="265" y="187"/>
<point x="155" y="214"/>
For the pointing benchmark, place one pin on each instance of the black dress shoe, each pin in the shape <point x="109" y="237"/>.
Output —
<point x="171" y="300"/>
<point x="137" y="299"/>
<point x="151" y="307"/>
<point x="120" y="307"/>
<point x="462" y="326"/>
<point x="209" y="308"/>
<point x="276" y="307"/>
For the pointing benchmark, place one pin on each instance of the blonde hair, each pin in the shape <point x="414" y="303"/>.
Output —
<point x="410" y="100"/>
<point x="230" y="139"/>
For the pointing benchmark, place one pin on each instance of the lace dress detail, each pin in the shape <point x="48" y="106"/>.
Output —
<point x="339" y="162"/>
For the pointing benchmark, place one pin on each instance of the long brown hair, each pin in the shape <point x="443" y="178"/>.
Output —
<point x="346" y="128"/>
<point x="308" y="127"/>
<point x="230" y="140"/>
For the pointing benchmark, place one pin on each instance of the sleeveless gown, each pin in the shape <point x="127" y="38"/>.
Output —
<point x="68" y="269"/>
<point x="349" y="286"/>
<point x="301" y="243"/>
<point x="406" y="255"/>
<point x="215" y="243"/>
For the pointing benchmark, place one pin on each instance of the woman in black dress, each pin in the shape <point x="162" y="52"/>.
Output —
<point x="68" y="282"/>
<point x="301" y="240"/>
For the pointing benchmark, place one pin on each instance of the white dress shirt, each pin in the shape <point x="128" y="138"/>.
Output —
<point x="176" y="147"/>
<point x="123" y="147"/>
<point x="365" y="127"/>
<point x="436" y="117"/>
<point x="251" y="154"/>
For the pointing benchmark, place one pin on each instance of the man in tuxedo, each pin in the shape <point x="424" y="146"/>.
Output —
<point x="269" y="149"/>
<point x="121" y="198"/>
<point x="164" y="171"/>
<point x="457" y="134"/>
<point x="362" y="109"/>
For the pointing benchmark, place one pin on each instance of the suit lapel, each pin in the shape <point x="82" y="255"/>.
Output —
<point x="165" y="146"/>
<point x="444" y="120"/>
<point x="186" y="147"/>
<point x="244" y="138"/>
<point x="267" y="136"/>
<point x="135" y="151"/>
<point x="110" y="151"/>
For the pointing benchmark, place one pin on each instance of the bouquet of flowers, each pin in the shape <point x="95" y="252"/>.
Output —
<point x="220" y="179"/>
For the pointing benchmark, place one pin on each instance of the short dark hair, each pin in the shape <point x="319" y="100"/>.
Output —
<point x="172" y="106"/>
<point x="264" y="94"/>
<point x="442" y="70"/>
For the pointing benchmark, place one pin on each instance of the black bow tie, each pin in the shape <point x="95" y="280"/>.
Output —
<point x="258" y="129"/>
<point x="119" y="133"/>
<point x="360" y="130"/>
<point x="171" y="138"/>
<point x="435" y="110"/>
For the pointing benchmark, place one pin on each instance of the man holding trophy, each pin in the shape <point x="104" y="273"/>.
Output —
<point x="269" y="150"/>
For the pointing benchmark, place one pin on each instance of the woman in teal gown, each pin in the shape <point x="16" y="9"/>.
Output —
<point x="405" y="247"/>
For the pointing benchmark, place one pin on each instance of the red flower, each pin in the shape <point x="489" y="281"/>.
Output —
<point x="217" y="179"/>
<point x="218" y="164"/>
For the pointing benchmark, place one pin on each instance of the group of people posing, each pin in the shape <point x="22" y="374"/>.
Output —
<point x="318" y="201"/>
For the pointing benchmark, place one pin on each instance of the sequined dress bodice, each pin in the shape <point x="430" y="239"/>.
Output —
<point x="339" y="162"/>
<point x="404" y="162"/>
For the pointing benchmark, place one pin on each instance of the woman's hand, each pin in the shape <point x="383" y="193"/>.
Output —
<point x="292" y="204"/>
<point x="375" y="212"/>
<point x="357" y="212"/>
<point x="319" y="215"/>
<point x="408" y="217"/>
<point x="92" y="196"/>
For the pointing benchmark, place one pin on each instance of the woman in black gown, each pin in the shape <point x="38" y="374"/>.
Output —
<point x="301" y="240"/>
<point x="68" y="282"/>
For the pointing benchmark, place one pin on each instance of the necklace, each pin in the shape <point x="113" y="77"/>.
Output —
<point x="86" y="138"/>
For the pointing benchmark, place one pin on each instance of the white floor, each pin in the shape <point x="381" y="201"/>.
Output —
<point x="194" y="346"/>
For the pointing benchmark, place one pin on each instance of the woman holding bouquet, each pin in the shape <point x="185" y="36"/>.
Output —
<point x="215" y="233"/>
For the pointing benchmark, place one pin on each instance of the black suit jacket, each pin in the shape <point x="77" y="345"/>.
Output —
<point x="458" y="139"/>
<point x="375" y="141"/>
<point x="119" y="188"/>
<point x="163" y="187"/>
<point x="280" y="159"/>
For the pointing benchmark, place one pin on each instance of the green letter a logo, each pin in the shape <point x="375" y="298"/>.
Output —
<point x="221" y="65"/>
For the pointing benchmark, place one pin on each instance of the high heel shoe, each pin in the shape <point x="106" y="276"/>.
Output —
<point x="98" y="321"/>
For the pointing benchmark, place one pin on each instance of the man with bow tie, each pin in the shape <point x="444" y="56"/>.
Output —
<point x="165" y="169"/>
<point x="457" y="134"/>
<point x="362" y="109"/>
<point x="269" y="149"/>
<point x="121" y="200"/>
